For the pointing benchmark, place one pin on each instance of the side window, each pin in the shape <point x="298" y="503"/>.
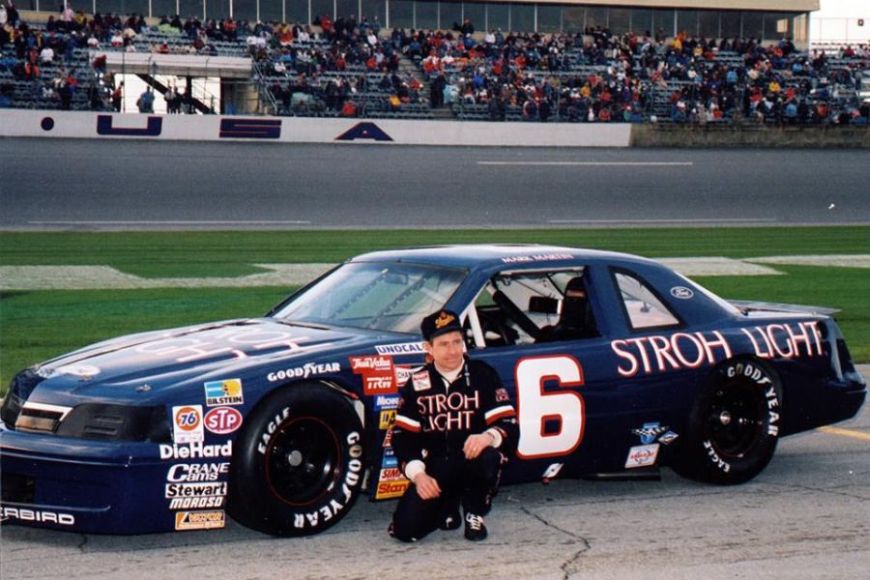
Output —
<point x="642" y="306"/>
<point x="526" y="307"/>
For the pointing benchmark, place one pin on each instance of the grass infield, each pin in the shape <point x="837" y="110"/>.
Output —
<point x="35" y="326"/>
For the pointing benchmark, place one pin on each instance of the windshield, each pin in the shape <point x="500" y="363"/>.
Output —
<point x="390" y="296"/>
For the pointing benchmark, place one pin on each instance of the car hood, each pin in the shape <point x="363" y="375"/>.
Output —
<point x="152" y="362"/>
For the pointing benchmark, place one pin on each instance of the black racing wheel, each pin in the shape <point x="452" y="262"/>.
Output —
<point x="298" y="466"/>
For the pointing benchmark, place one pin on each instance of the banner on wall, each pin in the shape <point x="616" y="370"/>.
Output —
<point x="86" y="125"/>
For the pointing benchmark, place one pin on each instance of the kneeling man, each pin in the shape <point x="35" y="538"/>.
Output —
<point x="454" y="428"/>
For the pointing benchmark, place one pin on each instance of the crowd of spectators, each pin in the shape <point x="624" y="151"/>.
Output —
<point x="351" y="68"/>
<point x="598" y="76"/>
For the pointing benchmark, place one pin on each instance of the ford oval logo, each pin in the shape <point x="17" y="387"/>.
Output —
<point x="682" y="292"/>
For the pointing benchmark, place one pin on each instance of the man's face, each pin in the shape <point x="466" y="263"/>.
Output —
<point x="446" y="350"/>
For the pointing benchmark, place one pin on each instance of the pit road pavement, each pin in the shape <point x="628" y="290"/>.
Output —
<point x="806" y="516"/>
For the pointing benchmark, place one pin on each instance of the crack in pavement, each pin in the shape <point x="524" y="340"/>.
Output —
<point x="823" y="490"/>
<point x="585" y="546"/>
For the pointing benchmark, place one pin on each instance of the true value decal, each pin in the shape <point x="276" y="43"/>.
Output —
<point x="684" y="350"/>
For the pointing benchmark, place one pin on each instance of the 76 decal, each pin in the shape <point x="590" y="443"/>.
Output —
<point x="551" y="423"/>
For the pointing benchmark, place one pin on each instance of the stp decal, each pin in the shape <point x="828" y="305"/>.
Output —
<point x="223" y="420"/>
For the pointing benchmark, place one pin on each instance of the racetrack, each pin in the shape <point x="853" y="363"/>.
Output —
<point x="806" y="516"/>
<point x="76" y="184"/>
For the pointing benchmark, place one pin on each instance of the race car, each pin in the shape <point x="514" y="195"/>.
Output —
<point x="615" y="363"/>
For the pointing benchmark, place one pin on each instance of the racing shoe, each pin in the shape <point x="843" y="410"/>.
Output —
<point x="452" y="520"/>
<point x="475" y="529"/>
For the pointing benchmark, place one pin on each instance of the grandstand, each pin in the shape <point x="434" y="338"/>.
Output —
<point x="678" y="61"/>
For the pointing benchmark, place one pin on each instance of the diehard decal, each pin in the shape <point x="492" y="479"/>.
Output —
<point x="195" y="450"/>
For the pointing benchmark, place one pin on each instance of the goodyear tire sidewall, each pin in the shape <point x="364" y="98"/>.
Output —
<point x="254" y="501"/>
<point x="704" y="459"/>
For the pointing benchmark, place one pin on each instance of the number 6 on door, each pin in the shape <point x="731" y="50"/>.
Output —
<point x="538" y="410"/>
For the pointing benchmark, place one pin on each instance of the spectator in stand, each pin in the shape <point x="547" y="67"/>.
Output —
<point x="117" y="97"/>
<point x="145" y="103"/>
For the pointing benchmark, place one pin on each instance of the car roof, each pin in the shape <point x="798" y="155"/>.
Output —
<point x="485" y="255"/>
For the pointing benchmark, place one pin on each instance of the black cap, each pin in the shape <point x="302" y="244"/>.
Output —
<point x="439" y="323"/>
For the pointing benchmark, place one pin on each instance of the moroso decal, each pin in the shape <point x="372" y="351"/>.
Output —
<point x="364" y="130"/>
<point x="105" y="127"/>
<point x="247" y="128"/>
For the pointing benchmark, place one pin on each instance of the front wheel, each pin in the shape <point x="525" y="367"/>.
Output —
<point x="734" y="425"/>
<point x="298" y="466"/>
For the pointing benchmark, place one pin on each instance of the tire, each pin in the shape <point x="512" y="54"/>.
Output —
<point x="734" y="425"/>
<point x="298" y="466"/>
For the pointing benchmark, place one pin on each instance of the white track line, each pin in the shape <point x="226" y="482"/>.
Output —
<point x="667" y="221"/>
<point x="594" y="163"/>
<point x="167" y="222"/>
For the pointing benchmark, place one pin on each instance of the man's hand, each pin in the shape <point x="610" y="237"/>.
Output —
<point x="475" y="444"/>
<point x="427" y="486"/>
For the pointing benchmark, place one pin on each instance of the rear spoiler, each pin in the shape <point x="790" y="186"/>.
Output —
<point x="750" y="306"/>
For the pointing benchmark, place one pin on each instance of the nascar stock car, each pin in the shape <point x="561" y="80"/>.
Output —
<point x="615" y="364"/>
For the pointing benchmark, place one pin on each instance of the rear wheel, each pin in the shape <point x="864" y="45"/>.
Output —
<point x="298" y="467"/>
<point x="734" y="425"/>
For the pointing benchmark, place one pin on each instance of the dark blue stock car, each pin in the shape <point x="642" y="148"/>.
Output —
<point x="282" y="421"/>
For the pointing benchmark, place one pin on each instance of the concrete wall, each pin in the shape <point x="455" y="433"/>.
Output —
<point x="82" y="125"/>
<point x="66" y="124"/>
<point x="748" y="136"/>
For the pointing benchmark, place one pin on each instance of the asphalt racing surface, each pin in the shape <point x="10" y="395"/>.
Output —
<point x="81" y="184"/>
<point x="806" y="516"/>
